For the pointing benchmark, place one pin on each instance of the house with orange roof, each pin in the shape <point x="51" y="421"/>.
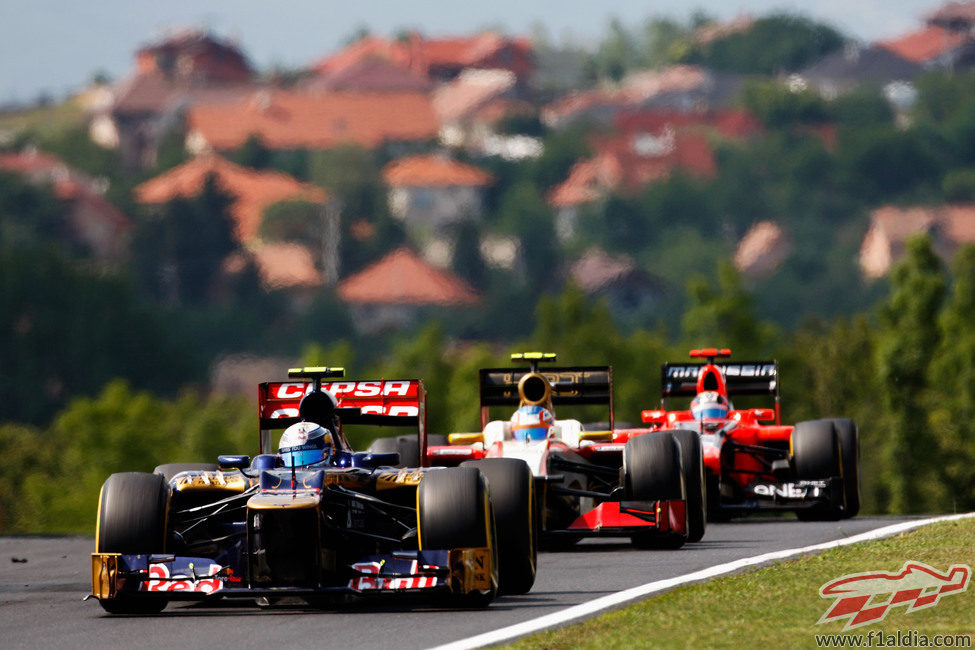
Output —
<point x="91" y="222"/>
<point x="949" y="226"/>
<point x="645" y="149"/>
<point x="946" y="40"/>
<point x="432" y="195"/>
<point x="678" y="88"/>
<point x="393" y="292"/>
<point x="471" y="106"/>
<point x="252" y="192"/>
<point x="309" y="120"/>
<point x="439" y="59"/>
<point x="170" y="75"/>
<point x="762" y="250"/>
<point x="630" y="291"/>
<point x="369" y="74"/>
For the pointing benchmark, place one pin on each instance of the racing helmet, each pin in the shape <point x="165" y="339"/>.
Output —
<point x="709" y="405"/>
<point x="531" y="422"/>
<point x="305" y="443"/>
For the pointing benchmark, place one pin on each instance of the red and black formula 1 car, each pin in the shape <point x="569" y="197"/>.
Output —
<point x="311" y="518"/>
<point x="587" y="484"/>
<point x="812" y="468"/>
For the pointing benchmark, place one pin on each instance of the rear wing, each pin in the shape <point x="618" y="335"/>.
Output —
<point x="741" y="378"/>
<point x="382" y="402"/>
<point x="572" y="385"/>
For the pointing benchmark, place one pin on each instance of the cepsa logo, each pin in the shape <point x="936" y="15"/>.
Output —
<point x="865" y="598"/>
<point x="393" y="397"/>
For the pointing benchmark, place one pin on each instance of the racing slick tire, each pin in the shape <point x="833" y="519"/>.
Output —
<point x="169" y="470"/>
<point x="512" y="490"/>
<point x="652" y="472"/>
<point x="454" y="511"/>
<point x="132" y="519"/>
<point x="816" y="456"/>
<point x="849" y="441"/>
<point x="692" y="465"/>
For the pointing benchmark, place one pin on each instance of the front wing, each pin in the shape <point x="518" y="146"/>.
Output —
<point x="462" y="571"/>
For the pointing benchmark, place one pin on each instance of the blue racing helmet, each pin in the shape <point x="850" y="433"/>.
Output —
<point x="709" y="405"/>
<point x="531" y="423"/>
<point x="305" y="443"/>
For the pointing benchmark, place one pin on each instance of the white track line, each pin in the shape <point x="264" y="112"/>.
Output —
<point x="620" y="597"/>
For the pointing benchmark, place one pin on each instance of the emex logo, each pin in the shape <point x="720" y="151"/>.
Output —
<point x="915" y="586"/>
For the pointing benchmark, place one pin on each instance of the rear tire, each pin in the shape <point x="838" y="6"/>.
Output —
<point x="131" y="520"/>
<point x="512" y="490"/>
<point x="169" y="470"/>
<point x="454" y="511"/>
<point x="692" y="465"/>
<point x="408" y="448"/>
<point x="652" y="472"/>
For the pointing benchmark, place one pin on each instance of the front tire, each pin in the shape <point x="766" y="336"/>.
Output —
<point x="849" y="440"/>
<point x="692" y="466"/>
<point x="132" y="510"/>
<point x="454" y="511"/>
<point x="816" y="456"/>
<point x="652" y="472"/>
<point x="512" y="490"/>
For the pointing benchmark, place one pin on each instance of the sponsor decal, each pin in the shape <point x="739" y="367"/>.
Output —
<point x="372" y="580"/>
<point x="866" y="598"/>
<point x="160" y="580"/>
<point x="340" y="389"/>
<point x="800" y="490"/>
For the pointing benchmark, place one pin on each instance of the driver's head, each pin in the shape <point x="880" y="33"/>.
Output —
<point x="305" y="443"/>
<point x="531" y="423"/>
<point x="709" y="405"/>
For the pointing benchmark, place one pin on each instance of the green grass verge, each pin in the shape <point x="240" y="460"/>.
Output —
<point x="778" y="606"/>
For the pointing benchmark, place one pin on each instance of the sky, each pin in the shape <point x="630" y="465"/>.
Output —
<point x="55" y="47"/>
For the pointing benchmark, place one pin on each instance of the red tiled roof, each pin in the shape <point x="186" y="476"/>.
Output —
<point x="433" y="171"/>
<point x="420" y="54"/>
<point x="288" y="120"/>
<point x="252" y="191"/>
<point x="372" y="74"/>
<point x="31" y="163"/>
<point x="926" y="44"/>
<point x="402" y="278"/>
<point x="630" y="162"/>
<point x="470" y="91"/>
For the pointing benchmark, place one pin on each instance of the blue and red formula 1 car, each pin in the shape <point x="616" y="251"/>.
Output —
<point x="311" y="518"/>
<point x="812" y="468"/>
<point x="587" y="484"/>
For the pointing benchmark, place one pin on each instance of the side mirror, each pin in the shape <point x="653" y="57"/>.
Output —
<point x="233" y="461"/>
<point x="653" y="417"/>
<point x="464" y="438"/>
<point x="762" y="415"/>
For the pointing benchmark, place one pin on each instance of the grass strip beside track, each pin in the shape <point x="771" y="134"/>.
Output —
<point x="778" y="606"/>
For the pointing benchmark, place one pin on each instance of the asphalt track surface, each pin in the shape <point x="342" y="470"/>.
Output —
<point x="44" y="579"/>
